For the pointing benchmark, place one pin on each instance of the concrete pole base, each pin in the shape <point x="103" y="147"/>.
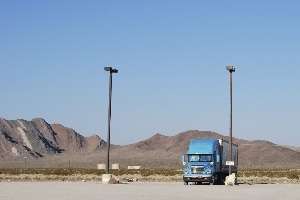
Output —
<point x="106" y="178"/>
<point x="230" y="180"/>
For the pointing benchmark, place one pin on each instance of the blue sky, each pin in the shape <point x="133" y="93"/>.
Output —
<point x="171" y="57"/>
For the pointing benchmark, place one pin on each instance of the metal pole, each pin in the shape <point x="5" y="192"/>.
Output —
<point x="109" y="119"/>
<point x="230" y="126"/>
<point x="230" y="69"/>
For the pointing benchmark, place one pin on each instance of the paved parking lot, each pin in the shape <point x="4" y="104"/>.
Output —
<point x="143" y="190"/>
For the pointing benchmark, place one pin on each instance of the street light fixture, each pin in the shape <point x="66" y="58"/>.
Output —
<point x="111" y="71"/>
<point x="230" y="69"/>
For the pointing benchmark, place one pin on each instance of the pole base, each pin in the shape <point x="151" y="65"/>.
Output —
<point x="106" y="178"/>
<point x="230" y="180"/>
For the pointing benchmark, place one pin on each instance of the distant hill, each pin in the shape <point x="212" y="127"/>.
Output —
<point x="293" y="148"/>
<point x="36" y="143"/>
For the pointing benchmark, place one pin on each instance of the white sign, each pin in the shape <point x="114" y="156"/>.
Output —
<point x="230" y="163"/>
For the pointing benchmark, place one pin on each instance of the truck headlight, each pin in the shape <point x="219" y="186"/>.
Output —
<point x="208" y="172"/>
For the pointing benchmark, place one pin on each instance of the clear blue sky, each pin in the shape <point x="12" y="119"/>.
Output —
<point x="171" y="56"/>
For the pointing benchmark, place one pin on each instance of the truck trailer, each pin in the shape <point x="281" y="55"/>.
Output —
<point x="208" y="160"/>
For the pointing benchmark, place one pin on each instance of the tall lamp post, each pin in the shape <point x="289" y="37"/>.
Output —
<point x="230" y="69"/>
<point x="111" y="71"/>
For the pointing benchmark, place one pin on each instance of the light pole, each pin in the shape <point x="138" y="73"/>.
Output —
<point x="111" y="71"/>
<point x="230" y="69"/>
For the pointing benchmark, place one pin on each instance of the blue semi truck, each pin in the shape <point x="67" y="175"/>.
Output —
<point x="208" y="160"/>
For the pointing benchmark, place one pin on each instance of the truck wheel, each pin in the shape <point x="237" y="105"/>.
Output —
<point x="186" y="183"/>
<point x="212" y="180"/>
<point x="222" y="179"/>
<point x="216" y="178"/>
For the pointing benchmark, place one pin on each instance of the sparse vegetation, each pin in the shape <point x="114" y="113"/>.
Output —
<point x="72" y="171"/>
<point x="271" y="173"/>
<point x="75" y="174"/>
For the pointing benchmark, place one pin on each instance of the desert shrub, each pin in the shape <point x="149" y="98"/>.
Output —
<point x="293" y="175"/>
<point x="65" y="173"/>
<point x="271" y="173"/>
<point x="72" y="171"/>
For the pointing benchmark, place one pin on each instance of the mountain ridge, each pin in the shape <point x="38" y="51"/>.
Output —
<point x="40" y="142"/>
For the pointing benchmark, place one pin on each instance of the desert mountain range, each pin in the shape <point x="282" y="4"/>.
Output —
<point x="36" y="143"/>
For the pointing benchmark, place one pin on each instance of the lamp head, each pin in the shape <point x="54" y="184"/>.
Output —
<point x="113" y="71"/>
<point x="110" y="69"/>
<point x="107" y="69"/>
<point x="230" y="68"/>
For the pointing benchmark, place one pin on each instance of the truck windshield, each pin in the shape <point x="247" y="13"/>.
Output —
<point x="199" y="158"/>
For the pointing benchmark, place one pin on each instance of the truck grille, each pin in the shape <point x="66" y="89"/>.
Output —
<point x="197" y="169"/>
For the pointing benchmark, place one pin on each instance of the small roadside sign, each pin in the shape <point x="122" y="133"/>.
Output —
<point x="230" y="163"/>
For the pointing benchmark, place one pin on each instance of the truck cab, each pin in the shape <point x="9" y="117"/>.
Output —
<point x="202" y="161"/>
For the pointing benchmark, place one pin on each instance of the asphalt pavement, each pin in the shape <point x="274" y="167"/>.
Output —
<point x="143" y="190"/>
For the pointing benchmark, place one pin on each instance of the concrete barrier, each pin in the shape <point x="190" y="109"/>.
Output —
<point x="106" y="178"/>
<point x="115" y="166"/>
<point x="101" y="166"/>
<point x="134" y="167"/>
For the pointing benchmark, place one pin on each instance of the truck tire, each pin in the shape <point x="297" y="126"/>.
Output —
<point x="185" y="183"/>
<point x="219" y="179"/>
<point x="214" y="180"/>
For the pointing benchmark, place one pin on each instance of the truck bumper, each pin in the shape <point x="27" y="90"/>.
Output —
<point x="198" y="178"/>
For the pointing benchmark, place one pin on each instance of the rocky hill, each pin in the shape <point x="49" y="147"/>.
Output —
<point x="36" y="143"/>
<point x="37" y="139"/>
